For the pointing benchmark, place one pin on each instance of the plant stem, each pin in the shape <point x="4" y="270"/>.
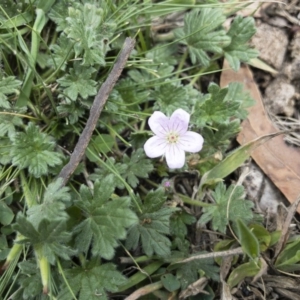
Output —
<point x="188" y="200"/>
<point x="44" y="268"/>
<point x="182" y="61"/>
<point x="14" y="252"/>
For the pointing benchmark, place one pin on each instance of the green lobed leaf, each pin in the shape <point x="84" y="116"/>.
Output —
<point x="201" y="34"/>
<point x="29" y="280"/>
<point x="163" y="54"/>
<point x="136" y="166"/>
<point x="59" y="13"/>
<point x="33" y="149"/>
<point x="92" y="281"/>
<point x="8" y="85"/>
<point x="50" y="237"/>
<point x="12" y="10"/>
<point x="131" y="169"/>
<point x="87" y="27"/>
<point x="153" y="226"/>
<point x="179" y="222"/>
<point x="152" y="232"/>
<point x="53" y="206"/>
<point x="102" y="173"/>
<point x="105" y="220"/>
<point x="72" y="110"/>
<point x="8" y="124"/>
<point x="215" y="108"/>
<point x="235" y="57"/>
<point x="78" y="82"/>
<point x="241" y="30"/>
<point x="26" y="229"/>
<point x="237" y="208"/>
<point x="237" y="93"/>
<point x="31" y="286"/>
<point x="219" y="138"/>
<point x="154" y="200"/>
<point x="171" y="96"/>
<point x="61" y="51"/>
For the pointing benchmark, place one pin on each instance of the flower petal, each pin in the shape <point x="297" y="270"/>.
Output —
<point x="159" y="123"/>
<point x="155" y="147"/>
<point x="175" y="156"/>
<point x="179" y="121"/>
<point x="191" y="142"/>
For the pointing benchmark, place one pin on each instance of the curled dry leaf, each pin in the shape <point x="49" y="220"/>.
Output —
<point x="279" y="162"/>
<point x="194" y="289"/>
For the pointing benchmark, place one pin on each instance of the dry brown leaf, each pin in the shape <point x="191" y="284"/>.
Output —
<point x="225" y="293"/>
<point x="195" y="288"/>
<point x="279" y="162"/>
<point x="145" y="290"/>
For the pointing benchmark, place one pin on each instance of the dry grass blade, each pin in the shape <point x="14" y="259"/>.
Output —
<point x="287" y="123"/>
<point x="213" y="255"/>
<point x="194" y="289"/>
<point x="285" y="230"/>
<point x="226" y="293"/>
<point x="145" y="290"/>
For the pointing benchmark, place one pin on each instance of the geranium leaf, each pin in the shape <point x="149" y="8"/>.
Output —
<point x="222" y="212"/>
<point x="201" y="34"/>
<point x="78" y="82"/>
<point x="241" y="30"/>
<point x="105" y="220"/>
<point x="34" y="150"/>
<point x="92" y="281"/>
<point x="8" y="85"/>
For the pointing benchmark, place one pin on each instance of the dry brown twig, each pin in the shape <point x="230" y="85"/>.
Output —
<point x="95" y="111"/>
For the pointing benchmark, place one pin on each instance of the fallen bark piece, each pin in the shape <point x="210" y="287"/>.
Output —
<point x="280" y="162"/>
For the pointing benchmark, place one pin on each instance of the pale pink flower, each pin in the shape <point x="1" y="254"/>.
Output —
<point x="172" y="138"/>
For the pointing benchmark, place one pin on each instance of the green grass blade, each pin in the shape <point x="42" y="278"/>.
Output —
<point x="233" y="160"/>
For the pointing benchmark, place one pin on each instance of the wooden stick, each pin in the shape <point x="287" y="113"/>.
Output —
<point x="95" y="111"/>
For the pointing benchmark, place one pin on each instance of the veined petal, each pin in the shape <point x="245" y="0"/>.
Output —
<point x="159" y="123"/>
<point x="191" y="142"/>
<point x="179" y="121"/>
<point x="155" y="147"/>
<point x="175" y="156"/>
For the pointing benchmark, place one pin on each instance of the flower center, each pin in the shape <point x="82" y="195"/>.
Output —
<point x="172" y="137"/>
